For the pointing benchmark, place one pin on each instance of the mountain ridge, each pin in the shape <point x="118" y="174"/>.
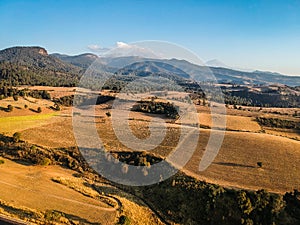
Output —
<point x="34" y="66"/>
<point x="37" y="65"/>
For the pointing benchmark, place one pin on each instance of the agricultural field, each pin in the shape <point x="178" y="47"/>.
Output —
<point x="252" y="157"/>
<point x="32" y="187"/>
<point x="245" y="142"/>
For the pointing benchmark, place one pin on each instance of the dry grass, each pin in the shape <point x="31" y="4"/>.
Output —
<point x="139" y="214"/>
<point x="57" y="132"/>
<point x="234" y="166"/>
<point x="32" y="187"/>
<point x="240" y="123"/>
<point x="236" y="163"/>
<point x="283" y="133"/>
<point x="19" y="109"/>
<point x="55" y="92"/>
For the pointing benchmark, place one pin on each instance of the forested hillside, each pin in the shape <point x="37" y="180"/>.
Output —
<point x="33" y="66"/>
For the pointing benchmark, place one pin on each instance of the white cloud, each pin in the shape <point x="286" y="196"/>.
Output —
<point x="124" y="49"/>
<point x="121" y="44"/>
<point x="94" y="47"/>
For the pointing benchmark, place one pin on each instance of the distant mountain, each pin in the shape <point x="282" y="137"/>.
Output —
<point x="34" y="56"/>
<point x="83" y="60"/>
<point x="33" y="65"/>
<point x="120" y="62"/>
<point x="239" y="77"/>
<point x="203" y="73"/>
<point x="149" y="67"/>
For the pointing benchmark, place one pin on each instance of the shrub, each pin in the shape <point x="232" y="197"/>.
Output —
<point x="52" y="215"/>
<point x="16" y="137"/>
<point x="57" y="107"/>
<point x="108" y="114"/>
<point x="16" y="97"/>
<point x="1" y="161"/>
<point x="45" y="162"/>
<point x="10" y="108"/>
<point x="25" y="106"/>
<point x="39" y="109"/>
<point x="259" y="164"/>
<point x="124" y="220"/>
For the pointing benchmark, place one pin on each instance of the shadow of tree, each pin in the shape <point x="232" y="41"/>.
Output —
<point x="4" y="109"/>
<point x="73" y="217"/>
<point x="234" y="164"/>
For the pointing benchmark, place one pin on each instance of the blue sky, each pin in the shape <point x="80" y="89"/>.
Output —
<point x="262" y="35"/>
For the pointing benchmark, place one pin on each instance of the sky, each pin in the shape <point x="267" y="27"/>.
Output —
<point x="255" y="34"/>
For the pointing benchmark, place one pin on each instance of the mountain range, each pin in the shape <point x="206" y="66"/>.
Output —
<point x="33" y="65"/>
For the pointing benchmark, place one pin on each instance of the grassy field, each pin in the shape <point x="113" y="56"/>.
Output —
<point x="40" y="189"/>
<point x="243" y="147"/>
<point x="31" y="187"/>
<point x="233" y="122"/>
<point x="236" y="163"/>
<point x="245" y="144"/>
<point x="12" y="124"/>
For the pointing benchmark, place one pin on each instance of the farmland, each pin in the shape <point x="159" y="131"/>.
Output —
<point x="246" y="142"/>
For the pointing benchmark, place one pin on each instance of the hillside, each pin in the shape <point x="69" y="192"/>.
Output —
<point x="202" y="73"/>
<point x="83" y="60"/>
<point x="147" y="67"/>
<point x="33" y="65"/>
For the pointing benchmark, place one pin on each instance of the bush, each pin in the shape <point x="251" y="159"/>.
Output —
<point x="16" y="97"/>
<point x="124" y="220"/>
<point x="16" y="137"/>
<point x="52" y="215"/>
<point x="1" y="161"/>
<point x="57" y="107"/>
<point x="45" y="162"/>
<point x="10" y="108"/>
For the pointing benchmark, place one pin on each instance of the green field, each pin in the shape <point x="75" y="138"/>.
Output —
<point x="19" y="123"/>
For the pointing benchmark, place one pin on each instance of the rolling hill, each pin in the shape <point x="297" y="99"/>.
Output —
<point x="153" y="67"/>
<point x="33" y="66"/>
<point x="83" y="60"/>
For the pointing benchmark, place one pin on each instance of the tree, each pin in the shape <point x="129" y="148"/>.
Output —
<point x="108" y="114"/>
<point x="15" y="97"/>
<point x="16" y="137"/>
<point x="10" y="108"/>
<point x="39" y="109"/>
<point x="124" y="220"/>
<point x="25" y="106"/>
<point x="56" y="107"/>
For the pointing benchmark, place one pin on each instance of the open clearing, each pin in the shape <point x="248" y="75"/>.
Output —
<point x="32" y="187"/>
<point x="237" y="158"/>
<point x="18" y="123"/>
<point x="235" y="166"/>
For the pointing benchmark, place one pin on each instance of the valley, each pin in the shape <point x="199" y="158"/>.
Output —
<point x="46" y="179"/>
